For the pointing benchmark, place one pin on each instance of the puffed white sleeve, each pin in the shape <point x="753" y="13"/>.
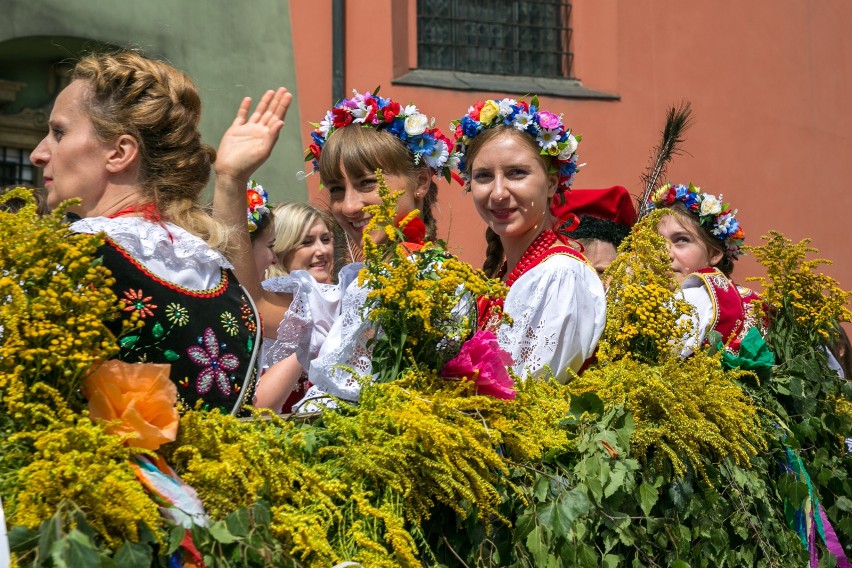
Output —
<point x="343" y="352"/>
<point x="695" y="293"/>
<point x="345" y="358"/>
<point x="308" y="320"/>
<point x="558" y="310"/>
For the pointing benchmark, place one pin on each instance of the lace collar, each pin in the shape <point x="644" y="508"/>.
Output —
<point x="154" y="241"/>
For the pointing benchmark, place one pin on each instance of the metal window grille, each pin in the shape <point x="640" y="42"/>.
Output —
<point x="15" y="167"/>
<point x="504" y="37"/>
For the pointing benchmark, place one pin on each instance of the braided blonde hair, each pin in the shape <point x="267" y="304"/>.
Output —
<point x="159" y="107"/>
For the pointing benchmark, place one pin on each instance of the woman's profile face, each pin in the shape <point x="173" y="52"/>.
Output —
<point x="261" y="248"/>
<point x="74" y="159"/>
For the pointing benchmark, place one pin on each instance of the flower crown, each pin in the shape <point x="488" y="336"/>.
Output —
<point x="716" y="217"/>
<point x="414" y="129"/>
<point x="256" y="200"/>
<point x="550" y="133"/>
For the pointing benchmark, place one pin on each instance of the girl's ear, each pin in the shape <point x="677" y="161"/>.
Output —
<point x="716" y="256"/>
<point x="552" y="184"/>
<point x="422" y="184"/>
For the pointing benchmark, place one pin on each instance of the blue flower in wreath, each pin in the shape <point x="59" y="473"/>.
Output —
<point x="217" y="367"/>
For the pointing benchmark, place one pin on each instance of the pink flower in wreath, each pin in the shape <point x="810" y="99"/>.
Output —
<point x="216" y="367"/>
<point x="483" y="361"/>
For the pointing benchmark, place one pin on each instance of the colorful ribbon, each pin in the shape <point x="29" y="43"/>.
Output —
<point x="805" y="518"/>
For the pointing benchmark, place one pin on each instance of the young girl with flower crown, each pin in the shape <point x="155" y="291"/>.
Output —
<point x="516" y="159"/>
<point x="704" y="239"/>
<point x="324" y="324"/>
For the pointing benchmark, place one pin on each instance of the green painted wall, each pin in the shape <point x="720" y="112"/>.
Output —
<point x="231" y="49"/>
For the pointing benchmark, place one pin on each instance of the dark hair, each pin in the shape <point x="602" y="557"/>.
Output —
<point x="842" y="351"/>
<point x="261" y="225"/>
<point x="591" y="227"/>
<point x="685" y="216"/>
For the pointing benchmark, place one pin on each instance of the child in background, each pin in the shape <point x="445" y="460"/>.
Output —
<point x="605" y="217"/>
<point x="704" y="239"/>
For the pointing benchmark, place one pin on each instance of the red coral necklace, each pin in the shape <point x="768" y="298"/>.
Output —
<point x="537" y="251"/>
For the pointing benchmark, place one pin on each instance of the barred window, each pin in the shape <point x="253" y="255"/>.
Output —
<point x="15" y="167"/>
<point x="503" y="37"/>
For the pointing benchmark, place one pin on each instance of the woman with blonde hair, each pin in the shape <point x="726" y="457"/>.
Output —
<point x="357" y="137"/>
<point x="304" y="240"/>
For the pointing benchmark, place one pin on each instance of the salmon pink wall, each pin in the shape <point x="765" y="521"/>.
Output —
<point x="769" y="83"/>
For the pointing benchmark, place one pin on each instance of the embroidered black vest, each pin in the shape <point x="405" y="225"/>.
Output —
<point x="211" y="338"/>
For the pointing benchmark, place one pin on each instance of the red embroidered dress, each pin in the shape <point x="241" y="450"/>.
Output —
<point x="722" y="306"/>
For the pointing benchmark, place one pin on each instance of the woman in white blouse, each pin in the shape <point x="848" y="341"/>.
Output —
<point x="516" y="159"/>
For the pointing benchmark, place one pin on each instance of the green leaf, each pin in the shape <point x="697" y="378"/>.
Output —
<point x="843" y="503"/>
<point x="134" y="555"/>
<point x="22" y="539"/>
<point x="574" y="504"/>
<point x="542" y="486"/>
<point x="616" y="480"/>
<point x="73" y="551"/>
<point x="238" y="522"/>
<point x="176" y="536"/>
<point x="589" y="402"/>
<point x="128" y="341"/>
<point x="157" y="330"/>
<point x="647" y="497"/>
<point x="219" y="531"/>
<point x="170" y="355"/>
<point x="49" y="531"/>
<point x="680" y="564"/>
<point x="537" y="547"/>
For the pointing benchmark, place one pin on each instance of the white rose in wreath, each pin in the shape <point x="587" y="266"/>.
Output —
<point x="710" y="205"/>
<point x="570" y="147"/>
<point x="416" y="124"/>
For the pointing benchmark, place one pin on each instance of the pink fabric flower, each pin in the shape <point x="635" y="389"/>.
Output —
<point x="548" y="120"/>
<point x="484" y="362"/>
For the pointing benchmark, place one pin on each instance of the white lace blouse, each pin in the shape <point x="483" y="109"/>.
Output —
<point x="558" y="309"/>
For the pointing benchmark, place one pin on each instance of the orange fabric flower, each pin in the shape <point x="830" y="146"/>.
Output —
<point x="140" y="395"/>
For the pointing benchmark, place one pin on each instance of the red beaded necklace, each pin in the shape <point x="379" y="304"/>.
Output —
<point x="534" y="254"/>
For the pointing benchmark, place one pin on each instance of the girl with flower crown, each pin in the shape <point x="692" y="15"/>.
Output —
<point x="704" y="239"/>
<point x="516" y="159"/>
<point x="324" y="324"/>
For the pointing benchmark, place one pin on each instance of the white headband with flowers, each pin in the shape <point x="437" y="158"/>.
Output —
<point x="413" y="128"/>
<point x="550" y="133"/>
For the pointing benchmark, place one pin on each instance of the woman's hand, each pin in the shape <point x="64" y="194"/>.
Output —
<point x="248" y="142"/>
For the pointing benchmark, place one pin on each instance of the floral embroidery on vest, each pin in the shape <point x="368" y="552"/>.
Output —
<point x="230" y="323"/>
<point x="217" y="368"/>
<point x="136" y="301"/>
<point x="177" y="314"/>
